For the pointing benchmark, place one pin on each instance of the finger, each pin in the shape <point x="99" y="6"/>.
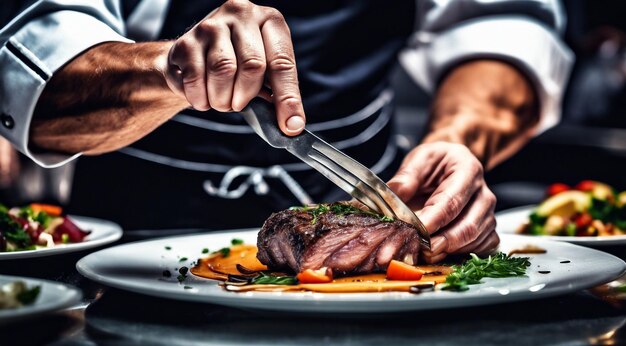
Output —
<point x="282" y="74"/>
<point x="186" y="71"/>
<point x="435" y="259"/>
<point x="476" y="219"/>
<point x="451" y="196"/>
<point x="489" y="227"/>
<point x="489" y="245"/>
<point x="221" y="68"/>
<point x="248" y="44"/>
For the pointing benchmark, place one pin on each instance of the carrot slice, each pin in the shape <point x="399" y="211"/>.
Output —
<point x="312" y="276"/>
<point x="401" y="271"/>
<point x="52" y="210"/>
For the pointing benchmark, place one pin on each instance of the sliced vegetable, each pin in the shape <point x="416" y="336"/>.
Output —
<point x="566" y="203"/>
<point x="557" y="188"/>
<point x="401" y="271"/>
<point x="52" y="210"/>
<point x="313" y="276"/>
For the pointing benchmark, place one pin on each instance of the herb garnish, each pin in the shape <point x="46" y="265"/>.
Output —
<point x="236" y="241"/>
<point x="475" y="269"/>
<point x="266" y="279"/>
<point x="29" y="295"/>
<point x="205" y="250"/>
<point x="182" y="259"/>
<point x="167" y="274"/>
<point x="225" y="251"/>
<point x="340" y="209"/>
<point x="167" y="247"/>
<point x="182" y="274"/>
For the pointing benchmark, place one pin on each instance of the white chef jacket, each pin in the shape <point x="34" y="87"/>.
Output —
<point x="49" y="33"/>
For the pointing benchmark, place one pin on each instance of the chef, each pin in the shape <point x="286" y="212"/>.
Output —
<point x="147" y="94"/>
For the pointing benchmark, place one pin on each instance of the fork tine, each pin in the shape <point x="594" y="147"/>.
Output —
<point x="338" y="176"/>
<point x="358" y="184"/>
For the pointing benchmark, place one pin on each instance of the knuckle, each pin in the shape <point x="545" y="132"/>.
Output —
<point x="490" y="198"/>
<point x="282" y="63"/>
<point x="453" y="206"/>
<point x="466" y="234"/>
<point x="182" y="49"/>
<point x="253" y="65"/>
<point x="273" y="15"/>
<point x="208" y="27"/>
<point x="237" y="6"/>
<point x="223" y="68"/>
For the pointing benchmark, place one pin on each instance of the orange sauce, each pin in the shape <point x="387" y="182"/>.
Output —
<point x="217" y="267"/>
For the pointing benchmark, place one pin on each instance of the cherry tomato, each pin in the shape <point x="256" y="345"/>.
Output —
<point x="557" y="188"/>
<point x="583" y="220"/>
<point x="585" y="185"/>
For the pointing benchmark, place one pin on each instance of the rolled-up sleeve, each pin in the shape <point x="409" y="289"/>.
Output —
<point x="35" y="44"/>
<point x="522" y="33"/>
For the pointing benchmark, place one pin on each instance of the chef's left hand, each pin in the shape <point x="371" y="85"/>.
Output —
<point x="445" y="183"/>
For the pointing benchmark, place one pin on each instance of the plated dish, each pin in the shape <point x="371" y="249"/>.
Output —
<point x="142" y="266"/>
<point x="101" y="232"/>
<point x="589" y="209"/>
<point x="509" y="222"/>
<point x="52" y="296"/>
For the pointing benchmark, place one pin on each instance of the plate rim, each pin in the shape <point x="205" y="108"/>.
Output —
<point x="260" y="302"/>
<point x="72" y="297"/>
<point x="586" y="241"/>
<point x="115" y="235"/>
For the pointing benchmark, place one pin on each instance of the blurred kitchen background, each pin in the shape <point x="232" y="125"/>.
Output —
<point x="590" y="142"/>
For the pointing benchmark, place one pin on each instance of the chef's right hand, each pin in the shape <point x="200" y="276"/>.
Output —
<point x="222" y="62"/>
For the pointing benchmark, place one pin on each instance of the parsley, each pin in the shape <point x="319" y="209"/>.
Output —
<point x="225" y="251"/>
<point x="167" y="273"/>
<point x="265" y="279"/>
<point x="340" y="209"/>
<point x="475" y="269"/>
<point x="205" y="250"/>
<point x="183" y="259"/>
<point x="167" y="247"/>
<point x="236" y="241"/>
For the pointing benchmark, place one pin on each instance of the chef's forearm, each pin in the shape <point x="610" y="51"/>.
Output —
<point x="106" y="98"/>
<point x="487" y="105"/>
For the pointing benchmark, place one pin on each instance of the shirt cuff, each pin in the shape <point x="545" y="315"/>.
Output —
<point x="28" y="60"/>
<point x="522" y="42"/>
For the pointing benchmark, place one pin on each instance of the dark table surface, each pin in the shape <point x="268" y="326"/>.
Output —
<point x="114" y="317"/>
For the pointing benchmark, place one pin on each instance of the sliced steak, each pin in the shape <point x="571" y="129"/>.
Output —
<point x="338" y="236"/>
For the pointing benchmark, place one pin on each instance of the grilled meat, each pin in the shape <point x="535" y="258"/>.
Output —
<point x="339" y="236"/>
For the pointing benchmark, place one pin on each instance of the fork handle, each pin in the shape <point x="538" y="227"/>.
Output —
<point x="261" y="116"/>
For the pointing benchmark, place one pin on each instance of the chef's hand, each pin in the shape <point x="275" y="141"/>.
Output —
<point x="444" y="181"/>
<point x="222" y="62"/>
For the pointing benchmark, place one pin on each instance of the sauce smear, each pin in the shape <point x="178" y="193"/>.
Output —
<point x="218" y="267"/>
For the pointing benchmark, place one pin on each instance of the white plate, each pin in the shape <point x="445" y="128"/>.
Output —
<point x="102" y="232"/>
<point x="53" y="296"/>
<point x="509" y="221"/>
<point x="139" y="267"/>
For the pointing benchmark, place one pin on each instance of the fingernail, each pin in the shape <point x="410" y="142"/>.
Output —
<point x="438" y="245"/>
<point x="295" y="123"/>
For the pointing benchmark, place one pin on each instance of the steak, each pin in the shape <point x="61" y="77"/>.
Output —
<point x="339" y="236"/>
